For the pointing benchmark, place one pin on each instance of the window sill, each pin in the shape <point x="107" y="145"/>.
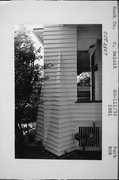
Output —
<point x="88" y="101"/>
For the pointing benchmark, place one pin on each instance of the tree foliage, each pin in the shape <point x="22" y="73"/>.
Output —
<point x="27" y="79"/>
<point x="28" y="82"/>
<point x="84" y="79"/>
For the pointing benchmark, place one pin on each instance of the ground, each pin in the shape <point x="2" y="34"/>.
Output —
<point x="33" y="150"/>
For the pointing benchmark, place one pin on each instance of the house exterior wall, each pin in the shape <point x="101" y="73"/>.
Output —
<point x="98" y="72"/>
<point x="62" y="115"/>
<point x="59" y="49"/>
<point x="87" y="36"/>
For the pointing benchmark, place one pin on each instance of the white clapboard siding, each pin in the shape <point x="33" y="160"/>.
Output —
<point x="60" y="49"/>
<point x="54" y="42"/>
<point x="53" y="54"/>
<point x="60" y="117"/>
<point x="60" y="46"/>
<point x="70" y="111"/>
<point x="66" y="64"/>
<point x="67" y="56"/>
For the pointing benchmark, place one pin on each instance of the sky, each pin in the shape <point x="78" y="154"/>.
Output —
<point x="30" y="28"/>
<point x="37" y="43"/>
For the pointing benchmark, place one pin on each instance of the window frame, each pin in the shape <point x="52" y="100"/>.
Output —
<point x="86" y="70"/>
<point x="92" y="91"/>
<point x="92" y="82"/>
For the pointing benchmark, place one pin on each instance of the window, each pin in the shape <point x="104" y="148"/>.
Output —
<point x="83" y="76"/>
<point x="93" y="77"/>
<point x="89" y="63"/>
<point x="89" y="76"/>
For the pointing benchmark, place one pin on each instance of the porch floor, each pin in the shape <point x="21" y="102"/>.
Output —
<point x="36" y="151"/>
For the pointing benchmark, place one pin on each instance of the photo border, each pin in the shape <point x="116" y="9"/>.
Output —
<point x="14" y="13"/>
